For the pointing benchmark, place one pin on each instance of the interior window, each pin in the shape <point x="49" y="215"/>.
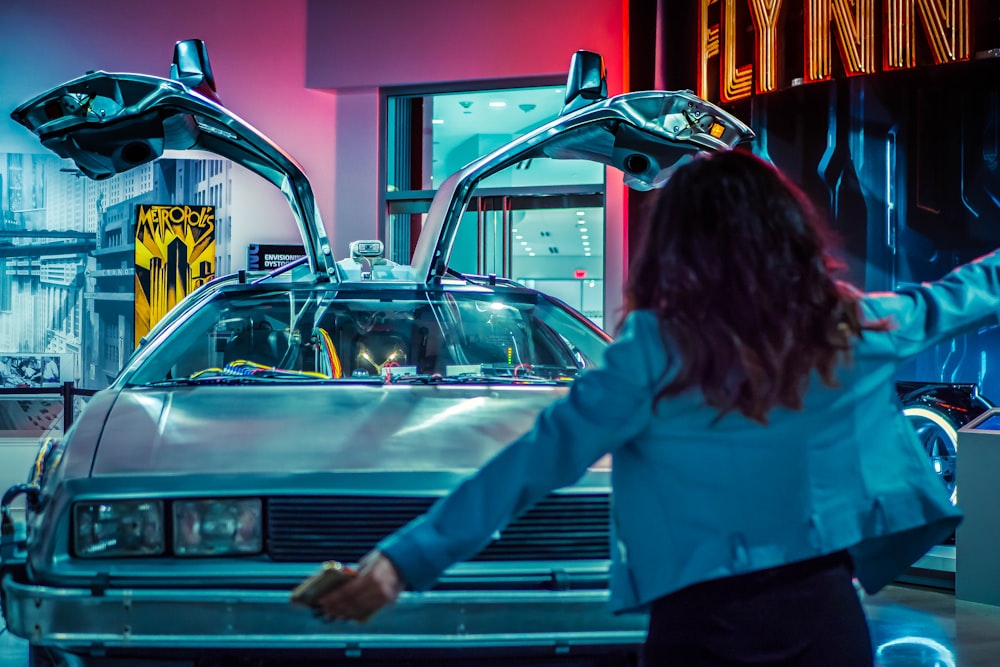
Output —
<point x="540" y="222"/>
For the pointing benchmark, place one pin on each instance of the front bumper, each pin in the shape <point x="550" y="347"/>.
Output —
<point x="81" y="621"/>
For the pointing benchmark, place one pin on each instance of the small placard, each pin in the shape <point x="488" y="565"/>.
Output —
<point x="19" y="370"/>
<point x="269" y="256"/>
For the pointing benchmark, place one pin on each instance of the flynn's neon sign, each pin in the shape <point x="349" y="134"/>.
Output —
<point x="852" y="24"/>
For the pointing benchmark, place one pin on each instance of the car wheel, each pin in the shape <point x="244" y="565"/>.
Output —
<point x="939" y="437"/>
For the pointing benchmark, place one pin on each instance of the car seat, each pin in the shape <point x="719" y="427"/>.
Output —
<point x="263" y="345"/>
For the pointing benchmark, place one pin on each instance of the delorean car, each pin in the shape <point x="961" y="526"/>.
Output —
<point x="270" y="422"/>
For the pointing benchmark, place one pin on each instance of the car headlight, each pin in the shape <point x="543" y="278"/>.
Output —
<point x="216" y="527"/>
<point x="118" y="528"/>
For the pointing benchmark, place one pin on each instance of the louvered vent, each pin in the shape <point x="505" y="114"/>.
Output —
<point x="306" y="529"/>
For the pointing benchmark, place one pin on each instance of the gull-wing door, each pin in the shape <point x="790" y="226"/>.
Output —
<point x="644" y="134"/>
<point x="108" y="123"/>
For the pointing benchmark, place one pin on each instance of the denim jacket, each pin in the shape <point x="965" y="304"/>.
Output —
<point x="695" y="498"/>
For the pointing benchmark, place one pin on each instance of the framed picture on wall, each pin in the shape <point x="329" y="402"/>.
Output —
<point x="32" y="370"/>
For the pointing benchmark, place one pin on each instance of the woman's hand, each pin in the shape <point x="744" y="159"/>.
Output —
<point x="376" y="584"/>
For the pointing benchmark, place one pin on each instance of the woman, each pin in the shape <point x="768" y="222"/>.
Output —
<point x="761" y="460"/>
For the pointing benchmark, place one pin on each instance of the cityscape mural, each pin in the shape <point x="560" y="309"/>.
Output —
<point x="67" y="253"/>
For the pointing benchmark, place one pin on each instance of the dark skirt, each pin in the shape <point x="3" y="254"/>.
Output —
<point x="797" y="615"/>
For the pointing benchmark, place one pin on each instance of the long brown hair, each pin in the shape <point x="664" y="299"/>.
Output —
<point x="734" y="261"/>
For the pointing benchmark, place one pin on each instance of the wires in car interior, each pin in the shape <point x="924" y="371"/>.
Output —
<point x="331" y="356"/>
<point x="244" y="367"/>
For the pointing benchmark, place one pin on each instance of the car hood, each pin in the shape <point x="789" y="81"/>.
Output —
<point x="276" y="429"/>
<point x="108" y="123"/>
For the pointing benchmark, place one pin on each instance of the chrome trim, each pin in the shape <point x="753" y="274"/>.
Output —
<point x="219" y="618"/>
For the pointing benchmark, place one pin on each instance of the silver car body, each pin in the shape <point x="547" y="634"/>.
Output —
<point x="349" y="459"/>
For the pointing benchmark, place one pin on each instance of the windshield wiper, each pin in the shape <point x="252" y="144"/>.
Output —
<point x="259" y="376"/>
<point x="207" y="380"/>
<point x="496" y="374"/>
<point x="478" y="378"/>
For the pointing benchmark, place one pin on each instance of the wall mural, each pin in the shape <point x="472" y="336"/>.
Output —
<point x="67" y="253"/>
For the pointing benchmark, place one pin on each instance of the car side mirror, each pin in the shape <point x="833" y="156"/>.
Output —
<point x="587" y="81"/>
<point x="192" y="68"/>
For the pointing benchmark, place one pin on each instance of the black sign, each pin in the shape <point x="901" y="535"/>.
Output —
<point x="272" y="256"/>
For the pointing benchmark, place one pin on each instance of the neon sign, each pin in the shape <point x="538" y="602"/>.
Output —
<point x="853" y="25"/>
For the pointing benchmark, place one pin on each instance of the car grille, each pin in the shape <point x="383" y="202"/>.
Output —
<point x="560" y="527"/>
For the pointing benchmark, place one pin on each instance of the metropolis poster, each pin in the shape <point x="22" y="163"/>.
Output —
<point x="174" y="255"/>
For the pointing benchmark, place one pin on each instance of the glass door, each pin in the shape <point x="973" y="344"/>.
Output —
<point x="553" y="243"/>
<point x="539" y="222"/>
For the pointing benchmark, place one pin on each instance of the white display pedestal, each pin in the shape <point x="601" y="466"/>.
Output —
<point x="977" y="541"/>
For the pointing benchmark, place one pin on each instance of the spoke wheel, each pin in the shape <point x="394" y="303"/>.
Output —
<point x="939" y="437"/>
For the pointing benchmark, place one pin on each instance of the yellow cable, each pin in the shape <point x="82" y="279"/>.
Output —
<point x="335" y="367"/>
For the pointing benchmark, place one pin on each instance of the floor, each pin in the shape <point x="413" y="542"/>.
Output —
<point x="911" y="626"/>
<point x="926" y="627"/>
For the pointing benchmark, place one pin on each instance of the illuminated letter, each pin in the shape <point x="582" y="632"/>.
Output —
<point x="708" y="37"/>
<point x="736" y="81"/>
<point x="855" y="22"/>
<point x="946" y="25"/>
<point x="765" y="22"/>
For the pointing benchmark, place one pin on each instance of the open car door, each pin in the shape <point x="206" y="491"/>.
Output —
<point x="109" y="123"/>
<point x="645" y="134"/>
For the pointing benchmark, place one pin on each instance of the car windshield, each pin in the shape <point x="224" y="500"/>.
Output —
<point x="330" y="334"/>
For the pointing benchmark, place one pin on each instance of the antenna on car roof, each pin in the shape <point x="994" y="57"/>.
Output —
<point x="587" y="81"/>
<point x="191" y="67"/>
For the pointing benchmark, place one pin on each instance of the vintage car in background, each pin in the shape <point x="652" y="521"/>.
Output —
<point x="936" y="411"/>
<point x="273" y="421"/>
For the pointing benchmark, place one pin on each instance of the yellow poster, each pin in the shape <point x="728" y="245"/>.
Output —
<point x="174" y="254"/>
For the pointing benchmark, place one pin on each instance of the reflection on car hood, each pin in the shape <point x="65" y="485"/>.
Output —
<point x="272" y="429"/>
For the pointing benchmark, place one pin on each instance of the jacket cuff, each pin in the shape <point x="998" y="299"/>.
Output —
<point x="416" y="563"/>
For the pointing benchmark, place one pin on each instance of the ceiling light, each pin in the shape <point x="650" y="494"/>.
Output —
<point x="583" y="229"/>
<point x="584" y="236"/>
<point x="524" y="243"/>
<point x="528" y="250"/>
<point x="498" y="104"/>
<point x="518" y="237"/>
<point x="438" y="121"/>
<point x="586" y="243"/>
<point x="580" y="213"/>
<point x="531" y="254"/>
<point x="514" y="229"/>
